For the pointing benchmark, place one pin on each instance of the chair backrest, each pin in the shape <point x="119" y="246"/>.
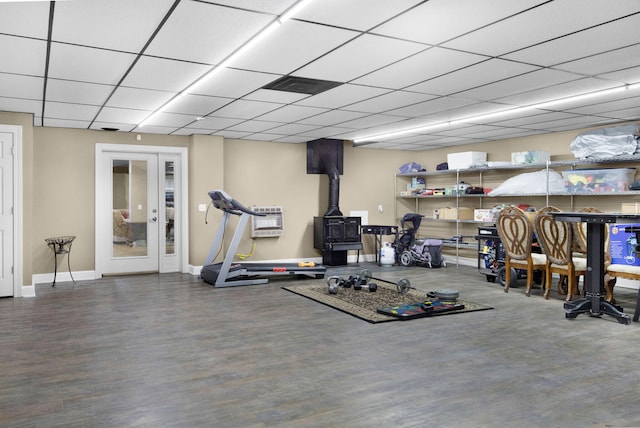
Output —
<point x="580" y="232"/>
<point x="515" y="232"/>
<point x="555" y="238"/>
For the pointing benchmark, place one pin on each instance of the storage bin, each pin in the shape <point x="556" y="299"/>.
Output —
<point x="610" y="180"/>
<point x="464" y="160"/>
<point x="485" y="215"/>
<point x="529" y="157"/>
<point x="630" y="208"/>
<point x="448" y="213"/>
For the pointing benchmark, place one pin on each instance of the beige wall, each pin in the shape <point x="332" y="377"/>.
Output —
<point x="58" y="186"/>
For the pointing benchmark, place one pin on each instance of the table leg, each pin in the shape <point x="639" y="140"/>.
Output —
<point x="594" y="303"/>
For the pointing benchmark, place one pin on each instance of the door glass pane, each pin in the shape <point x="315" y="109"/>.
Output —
<point x="169" y="189"/>
<point x="129" y="208"/>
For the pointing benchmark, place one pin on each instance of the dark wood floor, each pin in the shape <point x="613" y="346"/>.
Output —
<point x="172" y="351"/>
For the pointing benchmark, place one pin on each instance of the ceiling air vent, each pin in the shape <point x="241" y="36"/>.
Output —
<point x="301" y="85"/>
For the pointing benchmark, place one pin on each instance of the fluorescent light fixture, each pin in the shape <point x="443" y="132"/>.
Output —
<point x="232" y="57"/>
<point x="483" y="117"/>
<point x="289" y="13"/>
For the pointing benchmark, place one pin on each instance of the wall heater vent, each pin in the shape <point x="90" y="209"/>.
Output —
<point x="268" y="226"/>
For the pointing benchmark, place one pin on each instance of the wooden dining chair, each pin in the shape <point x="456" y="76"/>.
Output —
<point x="516" y="233"/>
<point x="556" y="240"/>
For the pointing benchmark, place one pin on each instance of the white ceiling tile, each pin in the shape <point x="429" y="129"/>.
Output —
<point x="22" y="56"/>
<point x="292" y="113"/>
<point x="170" y="120"/>
<point x="628" y="75"/>
<point x="265" y="136"/>
<point x="234" y="83"/>
<point x="332" y="117"/>
<point x="199" y="105"/>
<point x="66" y="123"/>
<point x="77" y="92"/>
<point x="291" y="139"/>
<point x="163" y="74"/>
<point x="143" y="99"/>
<point x="390" y="101"/>
<point x="551" y="20"/>
<point x="355" y="14"/>
<point x="275" y="7"/>
<point x="324" y="132"/>
<point x="29" y="19"/>
<point x="121" y="115"/>
<point x="418" y="68"/>
<point x="576" y="122"/>
<point x="619" y="59"/>
<point x="292" y="129"/>
<point x="162" y="130"/>
<point x="272" y="96"/>
<point x="359" y="57"/>
<point x="342" y="95"/>
<point x="105" y="25"/>
<point x="470" y="77"/>
<point x="245" y="109"/>
<point x="87" y="64"/>
<point x="214" y="32"/>
<point x="564" y="90"/>
<point x="431" y="107"/>
<point x="18" y="86"/>
<point x="374" y="120"/>
<point x="436" y="21"/>
<point x="527" y="119"/>
<point x="212" y="122"/>
<point x="233" y="134"/>
<point x="610" y="106"/>
<point x="55" y="110"/>
<point x="191" y="131"/>
<point x="294" y="44"/>
<point x="522" y="83"/>
<point x="20" y="105"/>
<point x="254" y="126"/>
<point x="583" y="44"/>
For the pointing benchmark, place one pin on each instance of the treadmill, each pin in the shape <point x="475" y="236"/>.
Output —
<point x="230" y="273"/>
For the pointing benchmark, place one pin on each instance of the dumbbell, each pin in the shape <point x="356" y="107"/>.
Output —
<point x="371" y="287"/>
<point x="334" y="283"/>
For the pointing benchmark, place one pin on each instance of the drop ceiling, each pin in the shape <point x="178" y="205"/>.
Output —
<point x="396" y="65"/>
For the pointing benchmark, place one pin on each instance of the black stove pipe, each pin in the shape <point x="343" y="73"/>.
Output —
<point x="334" y="187"/>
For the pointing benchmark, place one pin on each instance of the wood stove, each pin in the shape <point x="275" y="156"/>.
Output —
<point x="335" y="235"/>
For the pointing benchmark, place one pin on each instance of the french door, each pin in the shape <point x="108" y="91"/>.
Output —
<point x="138" y="211"/>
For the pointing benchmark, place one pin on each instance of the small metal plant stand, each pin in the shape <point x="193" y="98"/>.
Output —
<point x="60" y="245"/>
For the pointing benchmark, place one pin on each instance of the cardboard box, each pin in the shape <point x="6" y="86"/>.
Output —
<point x="448" y="213"/>
<point x="464" y="160"/>
<point x="530" y="157"/>
<point x="591" y="181"/>
<point x="622" y="245"/>
<point x="485" y="215"/>
<point x="630" y="208"/>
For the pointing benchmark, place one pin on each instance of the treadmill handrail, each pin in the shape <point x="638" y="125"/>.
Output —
<point x="226" y="203"/>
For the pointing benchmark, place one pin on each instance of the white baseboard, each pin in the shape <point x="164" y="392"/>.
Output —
<point x="83" y="275"/>
<point x="28" y="291"/>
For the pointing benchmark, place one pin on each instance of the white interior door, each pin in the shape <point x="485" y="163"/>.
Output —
<point x="132" y="200"/>
<point x="6" y="214"/>
<point x="141" y="200"/>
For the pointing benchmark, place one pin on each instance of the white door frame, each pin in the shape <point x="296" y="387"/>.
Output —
<point x="182" y="247"/>
<point x="17" y="207"/>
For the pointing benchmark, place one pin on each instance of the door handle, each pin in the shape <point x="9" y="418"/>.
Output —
<point x="154" y="219"/>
